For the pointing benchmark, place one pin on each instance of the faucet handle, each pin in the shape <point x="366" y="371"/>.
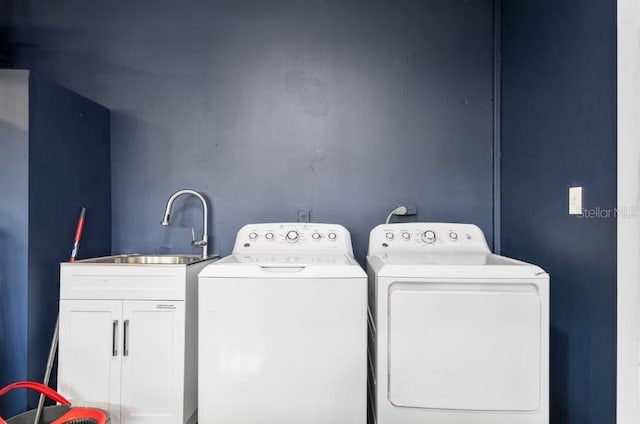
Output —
<point x="197" y="243"/>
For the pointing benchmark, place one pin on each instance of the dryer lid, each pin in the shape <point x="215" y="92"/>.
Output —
<point x="451" y="258"/>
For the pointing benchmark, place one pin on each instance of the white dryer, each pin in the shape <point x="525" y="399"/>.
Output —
<point x="283" y="329"/>
<point x="458" y="335"/>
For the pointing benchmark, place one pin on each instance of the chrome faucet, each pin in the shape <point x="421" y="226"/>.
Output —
<point x="205" y="214"/>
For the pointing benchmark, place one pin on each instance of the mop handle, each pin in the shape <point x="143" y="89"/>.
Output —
<point x="78" y="236"/>
<point x="56" y="331"/>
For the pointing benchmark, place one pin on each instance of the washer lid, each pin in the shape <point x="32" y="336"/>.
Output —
<point x="285" y="265"/>
<point x="330" y="259"/>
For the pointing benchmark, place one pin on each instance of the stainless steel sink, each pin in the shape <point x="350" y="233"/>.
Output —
<point x="146" y="259"/>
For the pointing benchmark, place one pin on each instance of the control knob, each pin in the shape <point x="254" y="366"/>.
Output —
<point x="292" y="236"/>
<point x="269" y="236"/>
<point x="429" y="236"/>
<point x="406" y="236"/>
<point x="453" y="235"/>
<point x="332" y="236"/>
<point x="316" y="236"/>
<point x="253" y="236"/>
<point x="389" y="236"/>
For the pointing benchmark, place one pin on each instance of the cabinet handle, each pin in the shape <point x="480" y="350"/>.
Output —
<point x="114" y="338"/>
<point x="125" y="348"/>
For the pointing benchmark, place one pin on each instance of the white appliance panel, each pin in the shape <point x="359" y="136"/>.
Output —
<point x="427" y="238"/>
<point x="460" y="335"/>
<point x="464" y="348"/>
<point x="293" y="237"/>
<point x="283" y="329"/>
<point x="288" y="351"/>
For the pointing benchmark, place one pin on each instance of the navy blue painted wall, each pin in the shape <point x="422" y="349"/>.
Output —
<point x="344" y="107"/>
<point x="14" y="223"/>
<point x="55" y="162"/>
<point x="69" y="166"/>
<point x="559" y="130"/>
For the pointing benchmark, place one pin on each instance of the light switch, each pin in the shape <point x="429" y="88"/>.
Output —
<point x="575" y="200"/>
<point x="304" y="215"/>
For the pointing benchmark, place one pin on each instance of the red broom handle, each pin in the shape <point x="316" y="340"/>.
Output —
<point x="78" y="236"/>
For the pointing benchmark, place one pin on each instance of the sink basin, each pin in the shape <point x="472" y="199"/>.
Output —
<point x="146" y="259"/>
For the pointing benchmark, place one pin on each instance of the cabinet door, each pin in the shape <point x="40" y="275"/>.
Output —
<point x="153" y="362"/>
<point x="89" y="362"/>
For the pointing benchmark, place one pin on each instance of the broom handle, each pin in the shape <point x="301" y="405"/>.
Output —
<point x="56" y="331"/>
<point x="47" y="373"/>
<point x="78" y="235"/>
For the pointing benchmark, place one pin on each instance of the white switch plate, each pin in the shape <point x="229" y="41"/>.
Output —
<point x="304" y="215"/>
<point x="575" y="200"/>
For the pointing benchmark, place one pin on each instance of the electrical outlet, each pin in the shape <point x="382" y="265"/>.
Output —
<point x="304" y="215"/>
<point x="412" y="209"/>
<point x="575" y="200"/>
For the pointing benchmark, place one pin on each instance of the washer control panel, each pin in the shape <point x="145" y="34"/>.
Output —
<point x="293" y="237"/>
<point x="431" y="236"/>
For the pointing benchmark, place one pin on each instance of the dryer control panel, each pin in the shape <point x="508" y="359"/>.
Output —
<point x="293" y="237"/>
<point x="431" y="237"/>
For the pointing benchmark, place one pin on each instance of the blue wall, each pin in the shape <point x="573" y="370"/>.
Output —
<point x="69" y="166"/>
<point x="559" y="130"/>
<point x="54" y="160"/>
<point x="14" y="223"/>
<point x="343" y="107"/>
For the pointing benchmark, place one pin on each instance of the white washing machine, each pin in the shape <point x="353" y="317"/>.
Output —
<point x="282" y="335"/>
<point x="458" y="335"/>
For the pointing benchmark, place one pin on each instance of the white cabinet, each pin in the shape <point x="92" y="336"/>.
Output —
<point x="128" y="340"/>
<point x="152" y="362"/>
<point x="89" y="363"/>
